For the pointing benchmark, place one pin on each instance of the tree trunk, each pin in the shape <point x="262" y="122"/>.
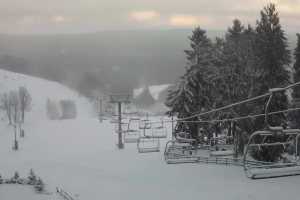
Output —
<point x="8" y="111"/>
<point x="229" y="130"/>
<point x="23" y="114"/>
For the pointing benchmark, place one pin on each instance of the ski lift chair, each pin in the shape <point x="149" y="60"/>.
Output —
<point x="144" y="124"/>
<point x="124" y="126"/>
<point x="147" y="143"/>
<point x="181" y="149"/>
<point x="160" y="130"/>
<point x="113" y="120"/>
<point x="284" y="139"/>
<point x="131" y="135"/>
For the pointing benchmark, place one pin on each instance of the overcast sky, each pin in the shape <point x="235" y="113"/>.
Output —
<point x="74" y="16"/>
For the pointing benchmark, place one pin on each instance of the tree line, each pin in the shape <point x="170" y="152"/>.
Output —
<point x="15" y="103"/>
<point x="247" y="62"/>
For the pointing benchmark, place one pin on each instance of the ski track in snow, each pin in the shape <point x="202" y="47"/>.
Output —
<point x="81" y="157"/>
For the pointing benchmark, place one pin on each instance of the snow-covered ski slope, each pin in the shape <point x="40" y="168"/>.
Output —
<point x="41" y="90"/>
<point x="81" y="157"/>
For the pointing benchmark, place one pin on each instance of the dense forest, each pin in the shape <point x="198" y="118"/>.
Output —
<point x="246" y="63"/>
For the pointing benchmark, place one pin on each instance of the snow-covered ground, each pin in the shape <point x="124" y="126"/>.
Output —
<point x="15" y="192"/>
<point x="81" y="157"/>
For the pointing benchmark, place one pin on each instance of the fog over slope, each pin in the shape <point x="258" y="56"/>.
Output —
<point x="93" y="60"/>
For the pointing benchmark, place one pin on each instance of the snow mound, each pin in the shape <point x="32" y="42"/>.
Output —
<point x="40" y="90"/>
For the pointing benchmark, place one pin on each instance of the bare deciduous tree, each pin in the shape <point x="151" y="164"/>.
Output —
<point x="25" y="101"/>
<point x="15" y="105"/>
<point x="5" y="105"/>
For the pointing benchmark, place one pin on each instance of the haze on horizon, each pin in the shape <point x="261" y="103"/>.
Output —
<point x="69" y="16"/>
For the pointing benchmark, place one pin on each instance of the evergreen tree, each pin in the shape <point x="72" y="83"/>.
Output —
<point x="274" y="57"/>
<point x="233" y="67"/>
<point x="251" y="70"/>
<point x="39" y="185"/>
<point x="239" y="72"/>
<point x="218" y="52"/>
<point x="145" y="99"/>
<point x="238" y="78"/>
<point x="201" y="46"/>
<point x="272" y="49"/>
<point x="296" y="92"/>
<point x="199" y="72"/>
<point x="16" y="176"/>
<point x="194" y="90"/>
<point x="32" y="177"/>
<point x="295" y="116"/>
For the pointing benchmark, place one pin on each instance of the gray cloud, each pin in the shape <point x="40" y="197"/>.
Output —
<point x="26" y="16"/>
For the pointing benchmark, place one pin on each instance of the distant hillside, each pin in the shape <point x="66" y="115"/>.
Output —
<point x="135" y="57"/>
<point x="40" y="90"/>
<point x="93" y="60"/>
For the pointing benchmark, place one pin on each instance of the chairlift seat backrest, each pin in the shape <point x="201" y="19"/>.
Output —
<point x="145" y="124"/>
<point x="148" y="145"/>
<point x="184" y="137"/>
